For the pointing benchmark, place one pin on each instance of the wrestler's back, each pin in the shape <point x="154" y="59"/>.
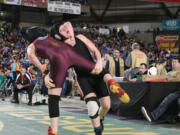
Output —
<point x="49" y="48"/>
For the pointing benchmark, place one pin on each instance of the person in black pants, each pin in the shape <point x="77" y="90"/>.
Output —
<point x="23" y="82"/>
<point x="169" y="100"/>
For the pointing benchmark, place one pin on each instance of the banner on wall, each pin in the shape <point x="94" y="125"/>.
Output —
<point x="12" y="2"/>
<point x="34" y="3"/>
<point x="104" y="31"/>
<point x="64" y="7"/>
<point x="171" y="24"/>
<point x="168" y="41"/>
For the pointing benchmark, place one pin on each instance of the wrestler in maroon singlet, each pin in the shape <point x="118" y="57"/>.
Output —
<point x="61" y="57"/>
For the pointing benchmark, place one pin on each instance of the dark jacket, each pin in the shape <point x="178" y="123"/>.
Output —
<point x="25" y="80"/>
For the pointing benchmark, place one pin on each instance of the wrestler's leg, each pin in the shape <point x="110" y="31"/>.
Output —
<point x="114" y="86"/>
<point x="95" y="121"/>
<point x="105" y="103"/>
<point x="54" y="96"/>
<point x="58" y="71"/>
<point x="93" y="106"/>
<point x="116" y="89"/>
<point x="105" y="106"/>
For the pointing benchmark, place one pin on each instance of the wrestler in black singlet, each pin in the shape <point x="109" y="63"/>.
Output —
<point x="89" y="83"/>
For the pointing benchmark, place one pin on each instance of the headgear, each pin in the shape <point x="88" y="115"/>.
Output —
<point x="54" y="32"/>
<point x="32" y="33"/>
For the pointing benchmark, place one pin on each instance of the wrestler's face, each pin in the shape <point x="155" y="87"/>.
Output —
<point x="67" y="30"/>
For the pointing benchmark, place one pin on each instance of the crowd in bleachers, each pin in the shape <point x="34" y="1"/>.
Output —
<point x="118" y="39"/>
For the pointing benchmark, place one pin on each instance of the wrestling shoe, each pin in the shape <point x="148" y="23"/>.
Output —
<point x="116" y="89"/>
<point x="50" y="132"/>
<point x="147" y="114"/>
<point x="98" y="131"/>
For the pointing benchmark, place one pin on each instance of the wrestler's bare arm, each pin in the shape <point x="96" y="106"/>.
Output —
<point x="94" y="52"/>
<point x="32" y="56"/>
<point x="91" y="46"/>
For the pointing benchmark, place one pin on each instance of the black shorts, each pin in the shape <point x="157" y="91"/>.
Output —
<point x="92" y="83"/>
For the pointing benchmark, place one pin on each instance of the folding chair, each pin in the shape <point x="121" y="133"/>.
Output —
<point x="37" y="87"/>
<point x="7" y="89"/>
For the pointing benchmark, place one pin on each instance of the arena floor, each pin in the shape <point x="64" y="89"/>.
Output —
<point x="33" y="120"/>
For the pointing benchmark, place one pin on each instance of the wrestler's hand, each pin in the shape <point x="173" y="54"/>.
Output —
<point x="98" y="67"/>
<point x="48" y="82"/>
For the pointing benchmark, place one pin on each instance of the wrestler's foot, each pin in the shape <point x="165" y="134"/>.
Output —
<point x="116" y="89"/>
<point x="98" y="131"/>
<point x="50" y="132"/>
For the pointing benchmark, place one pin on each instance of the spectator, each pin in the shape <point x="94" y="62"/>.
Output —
<point x="115" y="65"/>
<point x="23" y="82"/>
<point x="174" y="75"/>
<point x="136" y="57"/>
<point x="168" y="100"/>
<point x="106" y="58"/>
<point x="9" y="77"/>
<point x="46" y="67"/>
<point x="31" y="70"/>
<point x="15" y="66"/>
<point x="138" y="76"/>
<point x="2" y="79"/>
<point x="161" y="68"/>
<point x="152" y="69"/>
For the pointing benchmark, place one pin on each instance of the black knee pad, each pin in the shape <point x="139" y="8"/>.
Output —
<point x="93" y="106"/>
<point x="53" y="103"/>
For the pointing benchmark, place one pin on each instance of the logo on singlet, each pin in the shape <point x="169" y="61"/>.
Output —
<point x="53" y="43"/>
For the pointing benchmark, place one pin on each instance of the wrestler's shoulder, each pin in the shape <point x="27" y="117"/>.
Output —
<point x="42" y="38"/>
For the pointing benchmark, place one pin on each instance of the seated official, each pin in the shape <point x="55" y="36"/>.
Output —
<point x="138" y="76"/>
<point x="115" y="65"/>
<point x="169" y="100"/>
<point x="23" y="82"/>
